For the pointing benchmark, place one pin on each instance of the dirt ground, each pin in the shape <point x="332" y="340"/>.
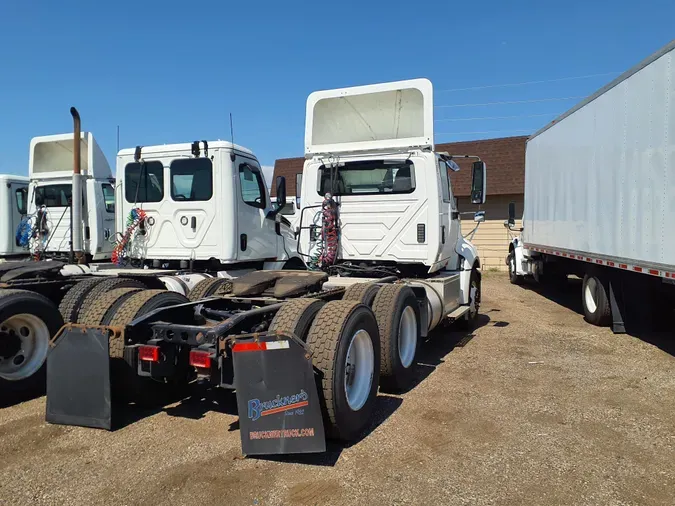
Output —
<point x="535" y="407"/>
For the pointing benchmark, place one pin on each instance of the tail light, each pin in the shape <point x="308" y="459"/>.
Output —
<point x="201" y="359"/>
<point x="148" y="353"/>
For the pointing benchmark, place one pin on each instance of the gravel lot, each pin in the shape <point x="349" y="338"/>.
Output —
<point x="535" y="407"/>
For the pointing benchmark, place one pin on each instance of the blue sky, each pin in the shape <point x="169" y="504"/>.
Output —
<point x="172" y="71"/>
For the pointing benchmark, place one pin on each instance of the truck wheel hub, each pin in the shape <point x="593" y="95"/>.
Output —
<point x="24" y="343"/>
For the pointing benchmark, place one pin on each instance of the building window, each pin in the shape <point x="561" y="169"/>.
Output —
<point x="144" y="182"/>
<point x="191" y="179"/>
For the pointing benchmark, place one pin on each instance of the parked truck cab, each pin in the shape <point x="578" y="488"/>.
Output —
<point x="13" y="194"/>
<point x="50" y="194"/>
<point x="205" y="202"/>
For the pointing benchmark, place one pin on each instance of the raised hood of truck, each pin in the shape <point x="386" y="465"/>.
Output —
<point x="51" y="156"/>
<point x="368" y="118"/>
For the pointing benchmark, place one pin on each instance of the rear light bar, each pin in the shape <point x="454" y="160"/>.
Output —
<point x="201" y="359"/>
<point x="148" y="353"/>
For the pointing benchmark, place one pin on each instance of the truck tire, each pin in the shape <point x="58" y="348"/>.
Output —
<point x="209" y="287"/>
<point x="345" y="344"/>
<point x="469" y="320"/>
<point x="100" y="311"/>
<point x="595" y="299"/>
<point x="514" y="278"/>
<point x="104" y="287"/>
<point x="128" y="386"/>
<point x="398" y="318"/>
<point x="72" y="300"/>
<point x="296" y="316"/>
<point x="27" y="323"/>
<point x="362" y="292"/>
<point x="143" y="302"/>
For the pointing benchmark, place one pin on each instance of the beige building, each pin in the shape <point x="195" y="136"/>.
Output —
<point x="505" y="159"/>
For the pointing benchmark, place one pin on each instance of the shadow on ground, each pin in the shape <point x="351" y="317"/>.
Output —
<point x="569" y="295"/>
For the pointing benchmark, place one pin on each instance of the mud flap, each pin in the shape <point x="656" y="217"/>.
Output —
<point x="78" y="378"/>
<point x="277" y="399"/>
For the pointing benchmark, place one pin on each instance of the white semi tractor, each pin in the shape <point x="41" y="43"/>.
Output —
<point x="305" y="350"/>
<point x="13" y="202"/>
<point x="599" y="198"/>
<point x="190" y="217"/>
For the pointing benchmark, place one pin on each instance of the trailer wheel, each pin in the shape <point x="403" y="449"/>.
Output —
<point x="514" y="278"/>
<point x="27" y="323"/>
<point x="100" y="311"/>
<point x="362" y="292"/>
<point x="345" y="344"/>
<point x="468" y="321"/>
<point x="102" y="288"/>
<point x="398" y="319"/>
<point x="209" y="287"/>
<point x="74" y="297"/>
<point x="129" y="386"/>
<point x="595" y="299"/>
<point x="296" y="316"/>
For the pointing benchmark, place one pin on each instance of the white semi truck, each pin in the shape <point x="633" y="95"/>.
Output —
<point x="600" y="194"/>
<point x="190" y="217"/>
<point x="13" y="195"/>
<point x="305" y="350"/>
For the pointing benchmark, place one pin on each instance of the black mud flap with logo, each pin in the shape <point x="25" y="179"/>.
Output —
<point x="277" y="399"/>
<point x="78" y="378"/>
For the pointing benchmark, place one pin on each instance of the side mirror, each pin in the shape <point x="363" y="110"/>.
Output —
<point x="512" y="214"/>
<point x="298" y="189"/>
<point x="478" y="183"/>
<point x="479" y="217"/>
<point x="281" y="192"/>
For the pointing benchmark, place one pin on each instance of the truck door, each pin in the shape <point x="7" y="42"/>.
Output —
<point x="106" y="216"/>
<point x="449" y="220"/>
<point x="18" y="197"/>
<point x="257" y="238"/>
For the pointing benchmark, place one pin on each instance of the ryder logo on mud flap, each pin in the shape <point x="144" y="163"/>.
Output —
<point x="257" y="408"/>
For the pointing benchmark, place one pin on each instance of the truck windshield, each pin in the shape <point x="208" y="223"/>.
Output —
<point x="369" y="177"/>
<point x="56" y="195"/>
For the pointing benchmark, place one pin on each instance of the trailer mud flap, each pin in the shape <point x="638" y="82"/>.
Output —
<point x="78" y="378"/>
<point x="279" y="410"/>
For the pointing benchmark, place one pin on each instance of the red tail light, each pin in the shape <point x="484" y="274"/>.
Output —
<point x="148" y="353"/>
<point x="200" y="359"/>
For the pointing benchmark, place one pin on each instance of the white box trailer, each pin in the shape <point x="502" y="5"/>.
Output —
<point x="600" y="193"/>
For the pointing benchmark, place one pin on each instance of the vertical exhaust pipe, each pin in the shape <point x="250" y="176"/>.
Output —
<point x="76" y="204"/>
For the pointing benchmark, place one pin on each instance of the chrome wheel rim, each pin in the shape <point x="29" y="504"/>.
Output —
<point x="407" y="336"/>
<point x="359" y="369"/>
<point x="589" y="295"/>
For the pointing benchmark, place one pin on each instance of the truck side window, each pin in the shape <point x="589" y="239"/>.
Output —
<point x="108" y="197"/>
<point x="191" y="179"/>
<point x="445" y="180"/>
<point x="144" y="182"/>
<point x="21" y="200"/>
<point x="252" y="186"/>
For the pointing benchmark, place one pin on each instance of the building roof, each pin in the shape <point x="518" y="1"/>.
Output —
<point x="505" y="159"/>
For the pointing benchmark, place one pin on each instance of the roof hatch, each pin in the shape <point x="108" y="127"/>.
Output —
<point x="373" y="117"/>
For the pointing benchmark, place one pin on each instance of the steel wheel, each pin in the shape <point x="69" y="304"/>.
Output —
<point x="360" y="366"/>
<point x="24" y="343"/>
<point x="407" y="336"/>
<point x="589" y="294"/>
